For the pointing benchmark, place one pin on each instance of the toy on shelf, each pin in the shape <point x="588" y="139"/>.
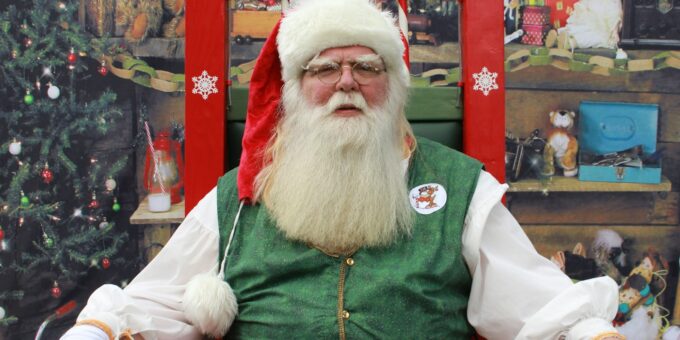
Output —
<point x="561" y="147"/>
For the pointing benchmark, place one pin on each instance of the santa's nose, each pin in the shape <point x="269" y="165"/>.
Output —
<point x="346" y="82"/>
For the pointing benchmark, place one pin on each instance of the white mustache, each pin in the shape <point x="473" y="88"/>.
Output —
<point x="340" y="99"/>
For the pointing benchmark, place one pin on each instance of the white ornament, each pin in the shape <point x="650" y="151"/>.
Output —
<point x="204" y="85"/>
<point x="103" y="225"/>
<point x="2" y="313"/>
<point x="110" y="184"/>
<point x="485" y="81"/>
<point x="15" y="148"/>
<point x="77" y="212"/>
<point x="53" y="92"/>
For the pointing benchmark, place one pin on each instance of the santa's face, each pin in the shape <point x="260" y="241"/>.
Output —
<point x="372" y="89"/>
<point x="336" y="180"/>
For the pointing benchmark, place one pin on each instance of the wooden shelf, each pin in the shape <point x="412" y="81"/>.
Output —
<point x="571" y="184"/>
<point x="143" y="216"/>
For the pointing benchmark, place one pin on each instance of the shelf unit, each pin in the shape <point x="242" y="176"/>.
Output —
<point x="571" y="184"/>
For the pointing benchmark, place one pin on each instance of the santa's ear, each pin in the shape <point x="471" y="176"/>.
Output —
<point x="572" y="114"/>
<point x="552" y="114"/>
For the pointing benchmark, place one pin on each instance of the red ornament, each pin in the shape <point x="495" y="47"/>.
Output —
<point x="47" y="175"/>
<point x="2" y="234"/>
<point x="106" y="263"/>
<point x="94" y="204"/>
<point x="72" y="57"/>
<point x="55" y="291"/>
<point x="103" y="70"/>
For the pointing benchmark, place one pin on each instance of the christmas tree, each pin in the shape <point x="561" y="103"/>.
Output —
<point x="58" y="190"/>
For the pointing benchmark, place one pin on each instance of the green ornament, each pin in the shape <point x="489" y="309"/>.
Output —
<point x="25" y="201"/>
<point x="116" y="206"/>
<point x="49" y="243"/>
<point x="5" y="26"/>
<point x="28" y="99"/>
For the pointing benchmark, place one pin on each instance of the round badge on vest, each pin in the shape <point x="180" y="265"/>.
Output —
<point x="427" y="198"/>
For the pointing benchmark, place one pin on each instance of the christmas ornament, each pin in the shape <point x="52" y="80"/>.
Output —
<point x="28" y="42"/>
<point x="48" y="241"/>
<point x="2" y="313"/>
<point x="14" y="54"/>
<point x="77" y="212"/>
<point x="4" y="245"/>
<point x="24" y="26"/>
<point x="116" y="205"/>
<point x="53" y="91"/>
<point x="72" y="57"/>
<point x="46" y="174"/>
<point x="2" y="234"/>
<point x="106" y="263"/>
<point x="103" y="70"/>
<point x="94" y="204"/>
<point x="28" y="98"/>
<point x="110" y="184"/>
<point x="55" y="291"/>
<point x="47" y="72"/>
<point x="21" y="221"/>
<point x="24" y="200"/>
<point x="15" y="147"/>
<point x="61" y="6"/>
<point x="104" y="224"/>
<point x="6" y="24"/>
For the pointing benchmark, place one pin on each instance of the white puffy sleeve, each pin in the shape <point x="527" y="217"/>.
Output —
<point x="151" y="304"/>
<point x="519" y="294"/>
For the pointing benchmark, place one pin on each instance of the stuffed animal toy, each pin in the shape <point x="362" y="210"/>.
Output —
<point x="595" y="23"/>
<point x="561" y="146"/>
<point x="641" y="287"/>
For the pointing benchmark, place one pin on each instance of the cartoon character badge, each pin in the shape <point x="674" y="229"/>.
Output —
<point x="427" y="198"/>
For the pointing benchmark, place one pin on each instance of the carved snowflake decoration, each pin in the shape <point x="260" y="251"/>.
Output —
<point x="204" y="85"/>
<point x="485" y="81"/>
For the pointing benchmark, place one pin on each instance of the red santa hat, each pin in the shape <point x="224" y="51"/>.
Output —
<point x="307" y="29"/>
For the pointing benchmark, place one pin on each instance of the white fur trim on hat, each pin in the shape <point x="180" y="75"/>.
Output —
<point x="316" y="25"/>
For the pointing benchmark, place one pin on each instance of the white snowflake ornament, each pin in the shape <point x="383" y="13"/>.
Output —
<point x="485" y="81"/>
<point x="204" y="85"/>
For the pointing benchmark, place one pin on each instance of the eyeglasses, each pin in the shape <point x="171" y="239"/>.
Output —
<point x="330" y="73"/>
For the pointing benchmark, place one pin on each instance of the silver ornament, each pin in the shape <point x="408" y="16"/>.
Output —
<point x="110" y="184"/>
<point x="15" y="147"/>
<point x="53" y="92"/>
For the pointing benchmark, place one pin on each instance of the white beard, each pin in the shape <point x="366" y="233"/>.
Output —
<point x="338" y="183"/>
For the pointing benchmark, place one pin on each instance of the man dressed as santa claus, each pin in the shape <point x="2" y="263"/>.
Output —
<point x="339" y="223"/>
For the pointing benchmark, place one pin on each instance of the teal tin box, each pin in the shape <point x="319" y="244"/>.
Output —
<point x="617" y="142"/>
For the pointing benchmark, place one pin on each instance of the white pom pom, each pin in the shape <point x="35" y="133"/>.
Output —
<point x="210" y="304"/>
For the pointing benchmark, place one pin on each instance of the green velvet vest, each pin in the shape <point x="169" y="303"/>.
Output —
<point x="416" y="288"/>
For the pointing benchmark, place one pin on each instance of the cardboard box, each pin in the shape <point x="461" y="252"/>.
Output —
<point x="617" y="142"/>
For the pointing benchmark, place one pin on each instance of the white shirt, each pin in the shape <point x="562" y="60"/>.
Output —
<point x="516" y="292"/>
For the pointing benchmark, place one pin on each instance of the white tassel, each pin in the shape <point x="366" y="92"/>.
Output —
<point x="209" y="302"/>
